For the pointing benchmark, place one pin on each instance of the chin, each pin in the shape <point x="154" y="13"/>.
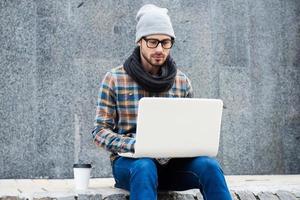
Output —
<point x="158" y="63"/>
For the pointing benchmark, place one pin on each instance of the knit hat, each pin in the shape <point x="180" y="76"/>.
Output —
<point x="153" y="20"/>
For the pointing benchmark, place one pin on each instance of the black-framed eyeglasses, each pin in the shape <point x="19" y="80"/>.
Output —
<point x="153" y="43"/>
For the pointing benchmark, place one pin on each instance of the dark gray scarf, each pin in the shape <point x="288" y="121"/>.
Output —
<point x="152" y="83"/>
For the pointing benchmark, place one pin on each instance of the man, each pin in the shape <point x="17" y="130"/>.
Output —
<point x="149" y="71"/>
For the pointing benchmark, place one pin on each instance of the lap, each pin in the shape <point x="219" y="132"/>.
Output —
<point x="130" y="163"/>
<point x="178" y="174"/>
<point x="184" y="173"/>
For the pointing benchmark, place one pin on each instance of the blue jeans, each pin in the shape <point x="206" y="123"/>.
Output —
<point x="143" y="177"/>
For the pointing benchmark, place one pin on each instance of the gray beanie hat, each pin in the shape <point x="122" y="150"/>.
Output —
<point x="153" y="20"/>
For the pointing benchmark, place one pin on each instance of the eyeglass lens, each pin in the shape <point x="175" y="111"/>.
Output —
<point x="153" y="43"/>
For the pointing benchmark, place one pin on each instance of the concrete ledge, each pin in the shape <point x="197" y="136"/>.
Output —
<point x="285" y="187"/>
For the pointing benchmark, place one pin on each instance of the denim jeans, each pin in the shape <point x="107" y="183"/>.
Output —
<point x="143" y="177"/>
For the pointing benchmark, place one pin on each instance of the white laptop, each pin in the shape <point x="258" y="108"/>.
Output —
<point x="177" y="127"/>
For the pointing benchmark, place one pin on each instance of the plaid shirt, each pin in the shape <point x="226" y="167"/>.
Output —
<point x="117" y="106"/>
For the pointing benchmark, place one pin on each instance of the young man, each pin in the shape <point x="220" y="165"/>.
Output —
<point x="149" y="71"/>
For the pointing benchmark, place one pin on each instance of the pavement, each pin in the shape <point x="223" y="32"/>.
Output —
<point x="260" y="187"/>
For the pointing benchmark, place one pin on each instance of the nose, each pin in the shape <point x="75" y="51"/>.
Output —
<point x="159" y="48"/>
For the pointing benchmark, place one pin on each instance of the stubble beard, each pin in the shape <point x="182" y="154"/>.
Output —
<point x="151" y="63"/>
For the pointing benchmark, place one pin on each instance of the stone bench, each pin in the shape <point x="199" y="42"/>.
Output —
<point x="241" y="195"/>
<point x="241" y="187"/>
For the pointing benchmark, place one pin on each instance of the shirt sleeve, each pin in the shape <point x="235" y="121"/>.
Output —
<point x="106" y="119"/>
<point x="189" y="89"/>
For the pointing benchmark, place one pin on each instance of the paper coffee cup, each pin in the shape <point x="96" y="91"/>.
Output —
<point x="82" y="174"/>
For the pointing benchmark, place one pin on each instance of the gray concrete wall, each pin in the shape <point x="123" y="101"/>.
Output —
<point x="54" y="54"/>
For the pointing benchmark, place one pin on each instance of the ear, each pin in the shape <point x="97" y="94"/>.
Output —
<point x="139" y="42"/>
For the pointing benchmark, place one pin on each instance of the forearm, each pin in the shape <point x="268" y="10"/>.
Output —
<point x="113" y="142"/>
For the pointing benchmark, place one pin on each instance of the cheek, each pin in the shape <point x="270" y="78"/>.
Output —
<point x="167" y="52"/>
<point x="147" y="53"/>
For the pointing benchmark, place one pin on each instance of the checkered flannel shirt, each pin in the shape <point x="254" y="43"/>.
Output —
<point x="117" y="106"/>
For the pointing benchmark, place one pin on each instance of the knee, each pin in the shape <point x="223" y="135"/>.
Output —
<point x="208" y="164"/>
<point x="145" y="167"/>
